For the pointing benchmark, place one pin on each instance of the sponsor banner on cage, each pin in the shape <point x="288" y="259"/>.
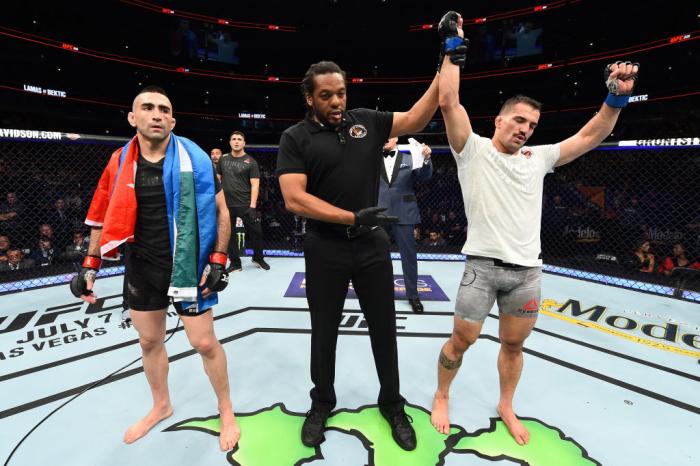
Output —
<point x="40" y="136"/>
<point x="428" y="289"/>
<point x="12" y="133"/>
<point x="668" y="142"/>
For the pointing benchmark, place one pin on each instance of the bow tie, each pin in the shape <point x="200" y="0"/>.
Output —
<point x="389" y="154"/>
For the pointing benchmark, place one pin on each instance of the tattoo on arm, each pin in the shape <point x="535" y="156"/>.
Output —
<point x="449" y="364"/>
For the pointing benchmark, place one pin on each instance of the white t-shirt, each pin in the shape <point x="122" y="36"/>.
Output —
<point x="503" y="199"/>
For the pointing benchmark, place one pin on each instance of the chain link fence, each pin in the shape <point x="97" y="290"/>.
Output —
<point x="626" y="214"/>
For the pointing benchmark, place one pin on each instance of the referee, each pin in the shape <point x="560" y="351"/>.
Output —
<point x="328" y="167"/>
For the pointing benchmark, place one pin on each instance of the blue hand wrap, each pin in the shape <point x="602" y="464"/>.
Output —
<point x="451" y="44"/>
<point x="617" y="101"/>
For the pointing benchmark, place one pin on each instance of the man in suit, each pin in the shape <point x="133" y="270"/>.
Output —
<point x="397" y="193"/>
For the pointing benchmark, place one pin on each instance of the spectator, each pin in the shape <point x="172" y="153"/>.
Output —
<point x="679" y="259"/>
<point x="75" y="204"/>
<point x="4" y="247"/>
<point x="643" y="259"/>
<point x="455" y="234"/>
<point x="16" y="261"/>
<point x="77" y="250"/>
<point x="62" y="221"/>
<point x="11" y="215"/>
<point x="43" y="255"/>
<point x="215" y="155"/>
<point x="437" y="223"/>
<point x="434" y="239"/>
<point x="46" y="230"/>
<point x="418" y="235"/>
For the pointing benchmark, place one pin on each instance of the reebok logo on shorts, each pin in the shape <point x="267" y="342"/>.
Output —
<point x="530" y="306"/>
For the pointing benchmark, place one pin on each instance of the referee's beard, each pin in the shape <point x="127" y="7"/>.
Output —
<point x="324" y="120"/>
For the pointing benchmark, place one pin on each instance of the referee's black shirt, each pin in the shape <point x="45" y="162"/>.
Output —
<point x="341" y="164"/>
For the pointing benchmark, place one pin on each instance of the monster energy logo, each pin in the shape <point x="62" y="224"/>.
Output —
<point x="240" y="239"/>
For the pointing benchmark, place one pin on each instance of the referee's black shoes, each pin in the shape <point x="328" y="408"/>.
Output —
<point x="401" y="428"/>
<point x="314" y="425"/>
<point x="234" y="267"/>
<point x="416" y="305"/>
<point x="261" y="263"/>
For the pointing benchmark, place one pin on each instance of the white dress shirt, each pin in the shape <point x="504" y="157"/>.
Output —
<point x="389" y="162"/>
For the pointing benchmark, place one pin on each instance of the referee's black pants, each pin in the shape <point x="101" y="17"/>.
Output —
<point x="331" y="262"/>
<point x="253" y="234"/>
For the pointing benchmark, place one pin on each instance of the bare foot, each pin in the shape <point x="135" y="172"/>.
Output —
<point x="439" y="417"/>
<point x="515" y="427"/>
<point x="230" y="432"/>
<point x="142" y="427"/>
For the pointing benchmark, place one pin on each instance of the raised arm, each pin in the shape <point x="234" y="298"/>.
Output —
<point x="620" y="83"/>
<point x="415" y="119"/>
<point x="454" y="46"/>
<point x="456" y="119"/>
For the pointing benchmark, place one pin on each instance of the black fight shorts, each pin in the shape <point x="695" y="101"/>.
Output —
<point x="148" y="287"/>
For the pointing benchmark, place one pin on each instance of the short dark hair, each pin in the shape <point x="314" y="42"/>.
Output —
<point x="520" y="99"/>
<point x="240" y="133"/>
<point x="154" y="89"/>
<point x="322" y="67"/>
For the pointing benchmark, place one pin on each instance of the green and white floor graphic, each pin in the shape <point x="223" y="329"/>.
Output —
<point x="549" y="446"/>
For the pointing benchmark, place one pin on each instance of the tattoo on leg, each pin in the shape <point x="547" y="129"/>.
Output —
<point x="449" y="364"/>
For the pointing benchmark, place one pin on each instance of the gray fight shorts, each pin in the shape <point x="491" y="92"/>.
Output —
<point x="485" y="281"/>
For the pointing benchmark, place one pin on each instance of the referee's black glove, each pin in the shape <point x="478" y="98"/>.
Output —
<point x="372" y="216"/>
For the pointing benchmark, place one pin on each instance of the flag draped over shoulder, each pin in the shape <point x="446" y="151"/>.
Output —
<point x="188" y="181"/>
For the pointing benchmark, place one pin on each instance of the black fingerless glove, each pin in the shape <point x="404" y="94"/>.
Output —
<point x="217" y="277"/>
<point x="451" y="44"/>
<point x="614" y="98"/>
<point x="372" y="216"/>
<point x="78" y="284"/>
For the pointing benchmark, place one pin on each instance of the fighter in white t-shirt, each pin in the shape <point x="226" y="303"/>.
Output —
<point x="502" y="182"/>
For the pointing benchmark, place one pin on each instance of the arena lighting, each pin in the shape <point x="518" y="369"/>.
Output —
<point x="8" y="32"/>
<point x="502" y="15"/>
<point x="208" y="19"/>
<point x="638" y="99"/>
